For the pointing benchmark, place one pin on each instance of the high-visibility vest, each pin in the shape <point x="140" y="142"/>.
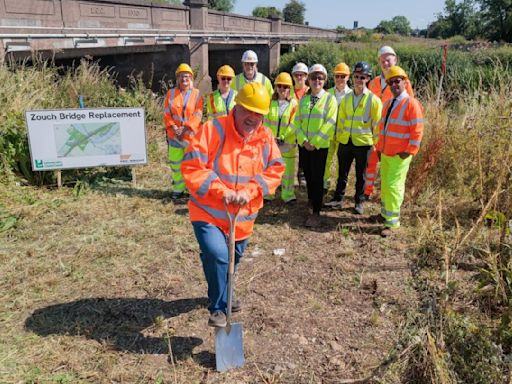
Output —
<point x="182" y="109"/>
<point x="332" y="91"/>
<point x="361" y="124"/>
<point x="404" y="128"/>
<point x="282" y="127"/>
<point x="218" y="159"/>
<point x="240" y="81"/>
<point x="216" y="106"/>
<point x="316" y="125"/>
<point x="380" y="89"/>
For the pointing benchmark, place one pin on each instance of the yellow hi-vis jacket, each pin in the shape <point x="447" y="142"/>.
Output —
<point x="316" y="125"/>
<point x="361" y="124"/>
<point x="240" y="81"/>
<point x="282" y="127"/>
<point x="216" y="106"/>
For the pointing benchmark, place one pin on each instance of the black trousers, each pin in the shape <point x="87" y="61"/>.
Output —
<point x="314" y="167"/>
<point x="347" y="153"/>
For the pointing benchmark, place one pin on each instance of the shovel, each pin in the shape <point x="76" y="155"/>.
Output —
<point x="229" y="347"/>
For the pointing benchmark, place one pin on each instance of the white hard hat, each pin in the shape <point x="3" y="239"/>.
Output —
<point x="249" y="57"/>
<point x="384" y="50"/>
<point x="300" y="67"/>
<point x="317" y="68"/>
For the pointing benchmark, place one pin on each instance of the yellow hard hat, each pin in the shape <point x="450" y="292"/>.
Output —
<point x="254" y="97"/>
<point x="284" y="78"/>
<point x="395" y="71"/>
<point x="226" y="70"/>
<point x="183" y="67"/>
<point x="341" y="69"/>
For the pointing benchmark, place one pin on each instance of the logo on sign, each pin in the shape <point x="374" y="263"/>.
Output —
<point x="39" y="163"/>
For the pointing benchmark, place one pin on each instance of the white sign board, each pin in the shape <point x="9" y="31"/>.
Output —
<point x="79" y="138"/>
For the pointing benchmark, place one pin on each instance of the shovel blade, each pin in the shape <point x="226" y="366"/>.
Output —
<point x="229" y="347"/>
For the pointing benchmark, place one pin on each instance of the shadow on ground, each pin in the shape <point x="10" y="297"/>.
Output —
<point x="123" y="324"/>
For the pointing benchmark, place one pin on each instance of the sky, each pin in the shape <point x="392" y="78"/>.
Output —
<point x="369" y="13"/>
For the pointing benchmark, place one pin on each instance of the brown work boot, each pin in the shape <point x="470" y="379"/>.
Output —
<point x="388" y="232"/>
<point x="313" y="221"/>
<point x="236" y="305"/>
<point x="217" y="319"/>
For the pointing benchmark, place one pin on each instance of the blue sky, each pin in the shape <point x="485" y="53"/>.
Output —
<point x="330" y="13"/>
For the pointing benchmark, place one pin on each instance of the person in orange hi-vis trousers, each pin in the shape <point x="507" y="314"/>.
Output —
<point x="387" y="58"/>
<point x="231" y="163"/>
<point x="182" y="116"/>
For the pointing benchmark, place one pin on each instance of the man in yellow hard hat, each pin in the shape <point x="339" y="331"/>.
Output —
<point x="400" y="134"/>
<point x="182" y="116"/>
<point x="231" y="163"/>
<point x="341" y="74"/>
<point x="387" y="58"/>
<point x="250" y="73"/>
<point x="222" y="100"/>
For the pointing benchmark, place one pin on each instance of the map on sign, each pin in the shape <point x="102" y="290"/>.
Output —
<point x="89" y="139"/>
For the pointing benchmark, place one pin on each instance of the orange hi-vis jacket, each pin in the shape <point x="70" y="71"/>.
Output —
<point x="174" y="114"/>
<point x="404" y="128"/>
<point x="375" y="85"/>
<point x="217" y="159"/>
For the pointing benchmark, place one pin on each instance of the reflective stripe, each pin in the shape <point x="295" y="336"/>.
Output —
<point x="361" y="130"/>
<point x="403" y="109"/>
<point x="331" y="121"/>
<point x="366" y="116"/>
<point x="196" y="155"/>
<point x="370" y="175"/>
<point x="197" y="114"/>
<point x="220" y="132"/>
<point x="203" y="189"/>
<point x="397" y="135"/>
<point x="392" y="222"/>
<point x="277" y="160"/>
<point x="389" y="213"/>
<point x="286" y="177"/>
<point x="266" y="154"/>
<point x="176" y="163"/>
<point x="311" y="116"/>
<point x="264" y="186"/>
<point x="175" y="143"/>
<point x="234" y="178"/>
<point x="415" y="142"/>
<point x="221" y="214"/>
<point x="167" y="110"/>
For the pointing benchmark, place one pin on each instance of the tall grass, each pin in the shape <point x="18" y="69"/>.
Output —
<point x="44" y="87"/>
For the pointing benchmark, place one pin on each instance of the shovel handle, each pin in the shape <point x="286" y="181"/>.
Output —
<point x="231" y="261"/>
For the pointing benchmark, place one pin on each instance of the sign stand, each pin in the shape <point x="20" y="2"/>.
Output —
<point x="134" y="177"/>
<point x="59" y="178"/>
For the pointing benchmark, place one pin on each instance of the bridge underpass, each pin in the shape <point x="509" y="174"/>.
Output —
<point x="134" y="36"/>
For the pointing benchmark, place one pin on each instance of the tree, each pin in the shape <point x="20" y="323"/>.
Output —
<point x="497" y="15"/>
<point x="222" y="5"/>
<point x="398" y="24"/>
<point x="293" y="12"/>
<point x="458" y="19"/>
<point x="266" y="12"/>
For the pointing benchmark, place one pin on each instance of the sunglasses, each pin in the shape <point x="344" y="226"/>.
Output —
<point x="321" y="78"/>
<point x="394" y="81"/>
<point x="340" y="76"/>
<point x="299" y="74"/>
<point x="283" y="86"/>
<point x="226" y="78"/>
<point x="360" y="77"/>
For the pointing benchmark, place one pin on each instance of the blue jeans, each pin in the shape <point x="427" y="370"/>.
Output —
<point x="215" y="256"/>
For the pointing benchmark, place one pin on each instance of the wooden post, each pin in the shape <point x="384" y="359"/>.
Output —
<point x="134" y="178"/>
<point x="59" y="178"/>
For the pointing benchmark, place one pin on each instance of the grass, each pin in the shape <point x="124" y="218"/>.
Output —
<point x="101" y="281"/>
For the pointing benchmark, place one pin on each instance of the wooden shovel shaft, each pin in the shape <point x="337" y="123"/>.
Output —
<point x="231" y="261"/>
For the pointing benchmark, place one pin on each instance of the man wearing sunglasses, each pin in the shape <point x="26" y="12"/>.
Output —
<point x="222" y="100"/>
<point x="341" y="73"/>
<point x="400" y="134"/>
<point x="387" y="58"/>
<point x="250" y="73"/>
<point x="359" y="113"/>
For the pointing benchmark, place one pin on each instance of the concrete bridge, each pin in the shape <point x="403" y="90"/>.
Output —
<point x="141" y="35"/>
